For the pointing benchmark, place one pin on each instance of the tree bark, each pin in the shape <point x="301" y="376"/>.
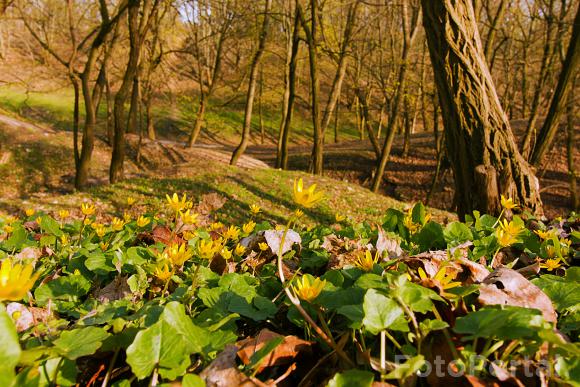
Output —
<point x="569" y="68"/>
<point x="241" y="148"/>
<point x="479" y="139"/>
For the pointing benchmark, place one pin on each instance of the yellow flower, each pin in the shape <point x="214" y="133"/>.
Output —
<point x="239" y="250"/>
<point x="126" y="217"/>
<point x="188" y="218"/>
<point x="117" y="224"/>
<point x="566" y="242"/>
<point x="130" y="201"/>
<point x="411" y="226"/>
<point x="232" y="233"/>
<point x="504" y="238"/>
<point x="87" y="209"/>
<point x="548" y="234"/>
<point x="163" y="273"/>
<point x="8" y="228"/>
<point x="176" y="204"/>
<point x="177" y="254"/>
<point x="511" y="228"/>
<point x="307" y="198"/>
<point x="255" y="209"/>
<point x="216" y="226"/>
<point x="366" y="261"/>
<point x="508" y="203"/>
<point x="10" y="219"/>
<point x="29" y="212"/>
<point x="63" y="214"/>
<point x="226" y="253"/>
<point x="104" y="246"/>
<point x="15" y="281"/>
<point x="445" y="280"/>
<point x="263" y="246"/>
<point x="187" y="235"/>
<point x="306" y="290"/>
<point x="64" y="239"/>
<point x="87" y="221"/>
<point x="248" y="227"/>
<point x="339" y="218"/>
<point x="298" y="213"/>
<point x="99" y="229"/>
<point x="142" y="221"/>
<point x="206" y="249"/>
<point x="551" y="264"/>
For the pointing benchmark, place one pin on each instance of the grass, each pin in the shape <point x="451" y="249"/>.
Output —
<point x="173" y="119"/>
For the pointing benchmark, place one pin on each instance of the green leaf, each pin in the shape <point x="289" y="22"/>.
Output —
<point x="157" y="346"/>
<point x="352" y="378"/>
<point x="380" y="312"/>
<point x="418" y="213"/>
<point x="428" y="326"/>
<point x="191" y="380"/>
<point x="136" y="256"/>
<point x="9" y="348"/>
<point x="503" y="323"/>
<point x="456" y="233"/>
<point x="69" y="288"/>
<point x="80" y="342"/>
<point x="569" y="370"/>
<point x="64" y="371"/>
<point x="564" y="292"/>
<point x="408" y="368"/>
<point x="17" y="239"/>
<point x="430" y="237"/>
<point x="50" y="225"/>
<point x="98" y="262"/>
<point x="196" y="338"/>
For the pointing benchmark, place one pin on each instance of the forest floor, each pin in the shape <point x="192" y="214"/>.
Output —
<point x="36" y="165"/>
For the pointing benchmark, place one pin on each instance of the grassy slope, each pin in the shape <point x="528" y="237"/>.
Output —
<point x="172" y="118"/>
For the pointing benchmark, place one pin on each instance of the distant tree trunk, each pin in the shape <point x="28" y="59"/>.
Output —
<point x="118" y="154"/>
<point x="484" y="156"/>
<point x="569" y="68"/>
<point x="336" y="112"/>
<point x="255" y="66"/>
<point x="570" y="149"/>
<point x="134" y="106"/>
<point x="260" y="107"/>
<point x="109" y="124"/>
<point x="335" y="89"/>
<point x="367" y="121"/>
<point x="76" y="119"/>
<point x="410" y="32"/>
<point x="290" y="93"/>
<point x="495" y="22"/>
<point x="311" y="32"/>
<point x="542" y="79"/>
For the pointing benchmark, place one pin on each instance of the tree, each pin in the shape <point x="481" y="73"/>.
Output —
<point x="483" y="152"/>
<point x="241" y="148"/>
<point x="569" y="68"/>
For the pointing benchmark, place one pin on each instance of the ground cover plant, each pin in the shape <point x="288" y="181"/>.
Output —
<point x="172" y="296"/>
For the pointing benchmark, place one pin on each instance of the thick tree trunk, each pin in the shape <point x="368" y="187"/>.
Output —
<point x="569" y="68"/>
<point x="570" y="150"/>
<point x="479" y="140"/>
<point x="241" y="148"/>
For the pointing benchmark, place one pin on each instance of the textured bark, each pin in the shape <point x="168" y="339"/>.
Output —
<point x="479" y="139"/>
<point x="495" y="21"/>
<point x="241" y="148"/>
<point x="569" y="68"/>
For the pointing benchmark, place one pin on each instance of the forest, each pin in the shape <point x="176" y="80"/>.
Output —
<point x="289" y="192"/>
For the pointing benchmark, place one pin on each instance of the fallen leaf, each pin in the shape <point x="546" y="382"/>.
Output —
<point x="223" y="371"/>
<point x="390" y="245"/>
<point x="115" y="290"/>
<point x="274" y="239"/>
<point x="508" y="287"/>
<point x="283" y="354"/>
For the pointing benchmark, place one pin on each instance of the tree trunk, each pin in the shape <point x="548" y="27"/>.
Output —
<point x="479" y="140"/>
<point x="410" y="32"/>
<point x="239" y="151"/>
<point x="569" y="68"/>
<point x="570" y="149"/>
<point x="311" y="32"/>
<point x="488" y="50"/>
<point x="118" y="154"/>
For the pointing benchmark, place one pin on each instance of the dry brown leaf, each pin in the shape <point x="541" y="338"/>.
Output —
<point x="223" y="371"/>
<point x="390" y="245"/>
<point x="283" y="354"/>
<point x="115" y="290"/>
<point x="508" y="287"/>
